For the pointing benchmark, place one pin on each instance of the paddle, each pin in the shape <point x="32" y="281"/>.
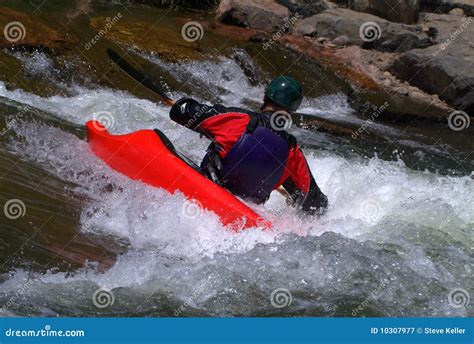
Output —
<point x="139" y="76"/>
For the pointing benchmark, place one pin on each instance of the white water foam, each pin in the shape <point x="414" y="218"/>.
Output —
<point x="369" y="200"/>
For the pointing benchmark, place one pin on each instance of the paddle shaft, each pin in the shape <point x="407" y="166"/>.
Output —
<point x="137" y="75"/>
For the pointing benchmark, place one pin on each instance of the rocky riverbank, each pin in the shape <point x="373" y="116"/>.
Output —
<point x="420" y="63"/>
<point x="412" y="59"/>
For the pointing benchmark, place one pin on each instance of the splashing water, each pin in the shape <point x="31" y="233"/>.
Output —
<point x="399" y="238"/>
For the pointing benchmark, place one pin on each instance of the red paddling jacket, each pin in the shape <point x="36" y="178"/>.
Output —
<point x="248" y="156"/>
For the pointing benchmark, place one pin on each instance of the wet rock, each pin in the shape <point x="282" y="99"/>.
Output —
<point x="364" y="30"/>
<point x="367" y="80"/>
<point x="23" y="32"/>
<point x="306" y="8"/>
<point x="444" y="6"/>
<point x="456" y="12"/>
<point x="237" y="33"/>
<point x="400" y="11"/>
<point x="445" y="68"/>
<point x="266" y="15"/>
<point x="341" y="40"/>
<point x="194" y="4"/>
<point x="167" y="43"/>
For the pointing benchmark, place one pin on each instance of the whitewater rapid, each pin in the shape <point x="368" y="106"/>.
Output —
<point x="385" y="222"/>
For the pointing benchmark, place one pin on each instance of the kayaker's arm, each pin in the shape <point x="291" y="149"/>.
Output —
<point x="301" y="185"/>
<point x="220" y="124"/>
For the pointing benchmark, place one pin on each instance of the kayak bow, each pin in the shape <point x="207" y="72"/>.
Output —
<point x="149" y="156"/>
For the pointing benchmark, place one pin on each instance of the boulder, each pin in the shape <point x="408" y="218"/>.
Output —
<point x="362" y="29"/>
<point x="370" y="83"/>
<point x="169" y="44"/>
<point x="266" y="15"/>
<point x="444" y="6"/>
<point x="400" y="11"/>
<point x="306" y="8"/>
<point x="446" y="68"/>
<point x="21" y="31"/>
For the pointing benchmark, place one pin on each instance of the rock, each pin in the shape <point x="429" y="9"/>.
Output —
<point x="400" y="11"/>
<point x="266" y="15"/>
<point x="402" y="90"/>
<point x="21" y="31"/>
<point x="362" y="29"/>
<point x="169" y="44"/>
<point x="444" y="6"/>
<point x="340" y="40"/>
<point x="194" y="4"/>
<point x="445" y="69"/>
<point x="367" y="81"/>
<point x="456" y="12"/>
<point x="306" y="8"/>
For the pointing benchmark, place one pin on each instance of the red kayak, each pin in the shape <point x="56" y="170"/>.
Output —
<point x="149" y="156"/>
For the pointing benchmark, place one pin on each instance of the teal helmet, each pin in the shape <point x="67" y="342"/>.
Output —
<point x="286" y="92"/>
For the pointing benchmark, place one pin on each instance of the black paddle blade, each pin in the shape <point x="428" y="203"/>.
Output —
<point x="138" y="76"/>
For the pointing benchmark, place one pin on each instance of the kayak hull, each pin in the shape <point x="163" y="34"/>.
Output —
<point x="142" y="155"/>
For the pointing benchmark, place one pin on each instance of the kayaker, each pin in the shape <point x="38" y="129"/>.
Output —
<point x="251" y="153"/>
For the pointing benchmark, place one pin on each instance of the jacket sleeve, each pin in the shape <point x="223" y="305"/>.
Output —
<point x="301" y="186"/>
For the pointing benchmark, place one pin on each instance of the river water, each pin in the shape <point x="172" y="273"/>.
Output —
<point x="396" y="241"/>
